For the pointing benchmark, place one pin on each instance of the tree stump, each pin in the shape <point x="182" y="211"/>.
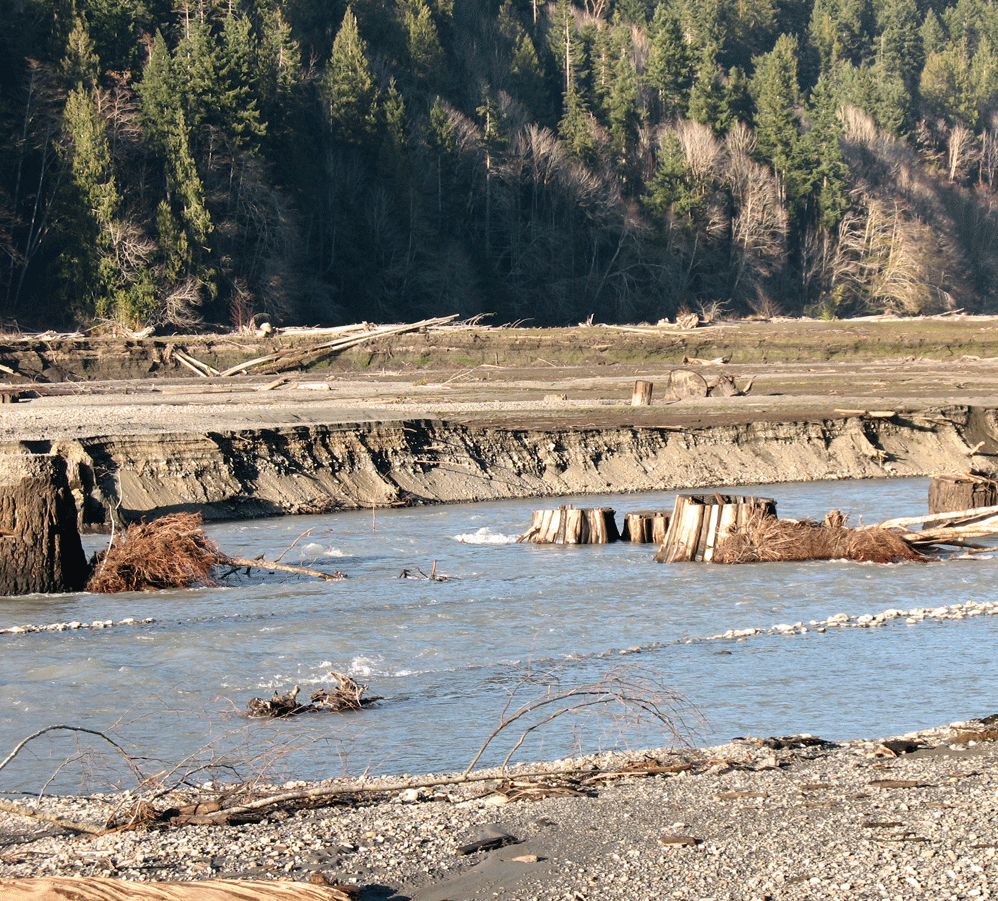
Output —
<point x="684" y="383"/>
<point x="645" y="527"/>
<point x="40" y="548"/>
<point x="961" y="491"/>
<point x="642" y="393"/>
<point x="699" y="522"/>
<point x="566" y="525"/>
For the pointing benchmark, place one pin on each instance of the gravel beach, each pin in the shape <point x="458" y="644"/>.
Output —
<point x="790" y="818"/>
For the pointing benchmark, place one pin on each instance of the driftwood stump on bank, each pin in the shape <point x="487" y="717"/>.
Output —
<point x="961" y="491"/>
<point x="566" y="525"/>
<point x="642" y="393"/>
<point x="40" y="548"/>
<point x="700" y="521"/>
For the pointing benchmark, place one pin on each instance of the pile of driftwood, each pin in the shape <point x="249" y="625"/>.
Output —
<point x="347" y="695"/>
<point x="766" y="539"/>
<point x="172" y="552"/>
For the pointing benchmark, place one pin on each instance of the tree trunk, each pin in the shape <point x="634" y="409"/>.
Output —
<point x="642" y="393"/>
<point x="40" y="549"/>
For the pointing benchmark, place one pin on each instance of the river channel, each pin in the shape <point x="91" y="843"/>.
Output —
<point x="511" y="622"/>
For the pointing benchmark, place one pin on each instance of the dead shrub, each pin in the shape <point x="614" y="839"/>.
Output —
<point x="170" y="552"/>
<point x="766" y="539"/>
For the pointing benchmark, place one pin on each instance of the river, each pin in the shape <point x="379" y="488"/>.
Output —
<point x="511" y="622"/>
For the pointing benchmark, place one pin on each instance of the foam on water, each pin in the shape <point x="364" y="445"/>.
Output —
<point x="485" y="535"/>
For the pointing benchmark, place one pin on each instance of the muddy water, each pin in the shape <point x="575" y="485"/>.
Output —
<point x="511" y="622"/>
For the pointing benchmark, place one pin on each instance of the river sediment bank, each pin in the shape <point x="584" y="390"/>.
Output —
<point x="791" y="819"/>
<point x="431" y="418"/>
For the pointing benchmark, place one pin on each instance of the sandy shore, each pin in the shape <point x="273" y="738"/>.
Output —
<point x="755" y="819"/>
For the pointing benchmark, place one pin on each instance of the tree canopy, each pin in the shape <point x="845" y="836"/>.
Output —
<point x="188" y="164"/>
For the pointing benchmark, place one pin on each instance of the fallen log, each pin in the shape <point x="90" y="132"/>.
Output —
<point x="95" y="888"/>
<point x="299" y="357"/>
<point x="283" y="567"/>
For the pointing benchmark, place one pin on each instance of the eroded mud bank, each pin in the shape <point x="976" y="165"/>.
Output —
<point x="316" y="468"/>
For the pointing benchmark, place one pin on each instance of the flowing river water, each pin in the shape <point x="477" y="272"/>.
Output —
<point x="511" y="622"/>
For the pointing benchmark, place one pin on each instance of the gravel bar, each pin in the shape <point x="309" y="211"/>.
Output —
<point x="788" y="818"/>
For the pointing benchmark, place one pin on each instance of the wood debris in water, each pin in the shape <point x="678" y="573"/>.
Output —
<point x="172" y="552"/>
<point x="766" y="539"/>
<point x="347" y="694"/>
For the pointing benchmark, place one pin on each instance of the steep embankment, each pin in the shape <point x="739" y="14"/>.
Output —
<point x="307" y="469"/>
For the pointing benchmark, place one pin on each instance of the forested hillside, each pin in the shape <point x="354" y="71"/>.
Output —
<point x="179" y="162"/>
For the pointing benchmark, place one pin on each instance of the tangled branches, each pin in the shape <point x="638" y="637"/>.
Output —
<point x="170" y="552"/>
<point x="766" y="539"/>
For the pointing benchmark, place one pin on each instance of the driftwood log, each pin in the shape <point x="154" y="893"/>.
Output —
<point x="699" y="522"/>
<point x="347" y="694"/>
<point x="40" y="547"/>
<point x="567" y="525"/>
<point x="685" y="383"/>
<point x="95" y="888"/>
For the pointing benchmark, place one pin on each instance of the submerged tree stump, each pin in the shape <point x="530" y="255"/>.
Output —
<point x="566" y="525"/>
<point x="645" y="527"/>
<point x="961" y="491"/>
<point x="699" y="522"/>
<point x="40" y="548"/>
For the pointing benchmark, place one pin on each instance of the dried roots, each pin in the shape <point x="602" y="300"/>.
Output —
<point x="766" y="539"/>
<point x="170" y="552"/>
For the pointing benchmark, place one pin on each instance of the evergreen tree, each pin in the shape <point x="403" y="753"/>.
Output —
<point x="932" y="34"/>
<point x="347" y="88"/>
<point x="709" y="100"/>
<point x="624" y="120"/>
<point x="575" y="128"/>
<point x="900" y="51"/>
<point x="237" y="101"/>
<point x="426" y="55"/>
<point x="777" y="97"/>
<point x="821" y="146"/>
<point x="669" y="72"/>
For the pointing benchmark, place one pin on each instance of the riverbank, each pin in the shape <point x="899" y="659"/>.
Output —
<point x="384" y="431"/>
<point x="790" y="819"/>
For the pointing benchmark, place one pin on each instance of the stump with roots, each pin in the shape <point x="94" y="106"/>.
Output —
<point x="40" y="548"/>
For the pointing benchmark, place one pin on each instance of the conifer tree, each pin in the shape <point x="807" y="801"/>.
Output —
<point x="777" y="97"/>
<point x="347" y="88"/>
<point x="669" y="72"/>
<point x="426" y="55"/>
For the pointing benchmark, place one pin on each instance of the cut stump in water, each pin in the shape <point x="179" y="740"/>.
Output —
<point x="961" y="491"/>
<point x="40" y="547"/>
<point x="645" y="527"/>
<point x="567" y="525"/>
<point x="700" y="521"/>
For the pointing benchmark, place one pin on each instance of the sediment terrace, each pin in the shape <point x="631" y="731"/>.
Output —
<point x="460" y="429"/>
